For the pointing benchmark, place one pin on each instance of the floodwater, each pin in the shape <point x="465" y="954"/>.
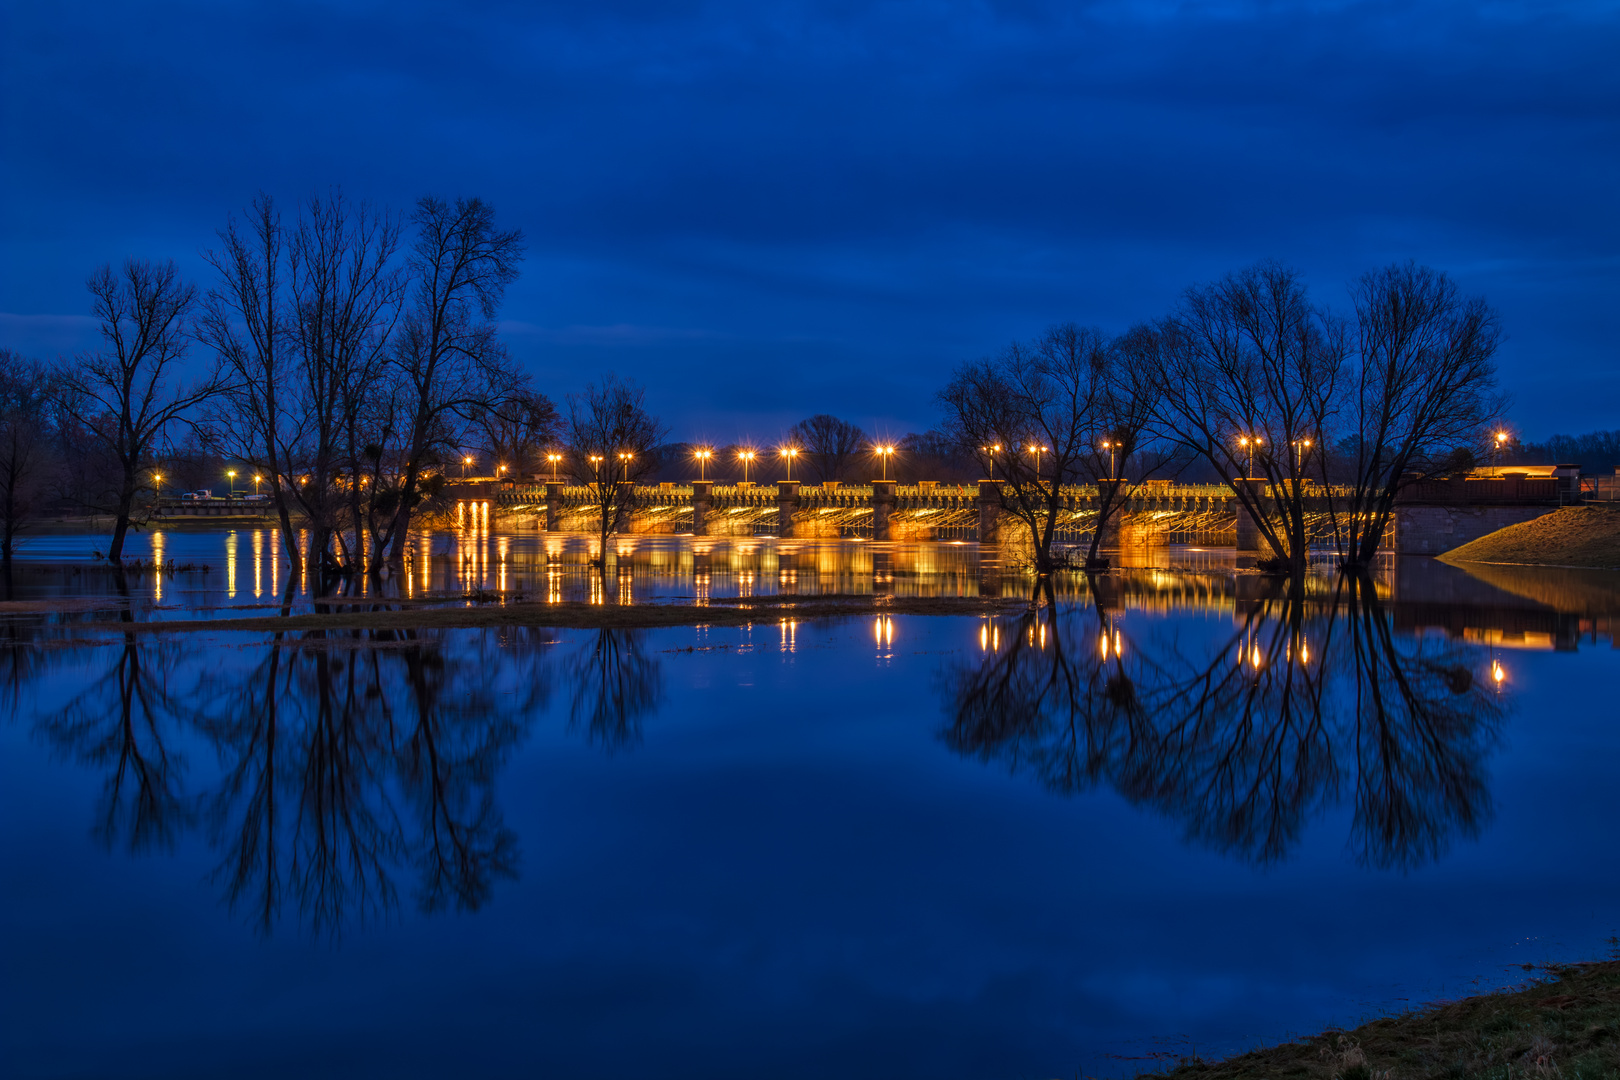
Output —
<point x="1177" y="811"/>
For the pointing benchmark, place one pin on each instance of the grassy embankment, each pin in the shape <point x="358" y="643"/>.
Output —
<point x="1567" y="1026"/>
<point x="1578" y="536"/>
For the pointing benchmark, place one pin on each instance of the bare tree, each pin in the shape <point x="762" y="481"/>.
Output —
<point x="244" y="320"/>
<point x="1422" y="385"/>
<point x="447" y="354"/>
<point x="1038" y="416"/>
<point x="611" y="438"/>
<point x="1240" y="371"/>
<point x="126" y="391"/>
<point x="827" y="445"/>
<point x="347" y="290"/>
<point x="516" y="431"/>
<point x="26" y="458"/>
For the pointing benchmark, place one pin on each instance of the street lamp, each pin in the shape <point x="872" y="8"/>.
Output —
<point x="232" y="474"/>
<point x="1300" y="446"/>
<point x="1038" y="450"/>
<point x="596" y="464"/>
<point x="884" y="453"/>
<point x="554" y="458"/>
<point x="157" y="478"/>
<point x="747" y="458"/>
<point x="789" y="452"/>
<point x="703" y="457"/>
<point x="466" y="461"/>
<point x="991" y="452"/>
<point x="1496" y="446"/>
<point x="500" y="471"/>
<point x="256" y="479"/>
<point x="1111" y="446"/>
<point x="1249" y="442"/>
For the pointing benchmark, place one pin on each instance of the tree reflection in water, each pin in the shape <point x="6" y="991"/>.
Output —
<point x="346" y="757"/>
<point x="614" y="685"/>
<point x="1309" y="698"/>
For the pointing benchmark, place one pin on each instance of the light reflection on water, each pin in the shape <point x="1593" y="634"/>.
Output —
<point x="1274" y="810"/>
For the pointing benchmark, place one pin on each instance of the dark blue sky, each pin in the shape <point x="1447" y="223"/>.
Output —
<point x="764" y="210"/>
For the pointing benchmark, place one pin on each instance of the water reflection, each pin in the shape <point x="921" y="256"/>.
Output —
<point x="346" y="763"/>
<point x="1306" y="703"/>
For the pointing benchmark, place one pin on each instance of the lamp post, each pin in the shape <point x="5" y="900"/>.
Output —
<point x="256" y="479"/>
<point x="1110" y="446"/>
<point x="789" y="452"/>
<point x="1037" y="450"/>
<point x="500" y="472"/>
<point x="231" y="473"/>
<point x="747" y="458"/>
<point x="1496" y="446"/>
<point x="466" y="461"/>
<point x="884" y="453"/>
<point x="554" y="458"/>
<point x="1249" y="442"/>
<point x="703" y="457"/>
<point x="1300" y="446"/>
<point x="990" y="453"/>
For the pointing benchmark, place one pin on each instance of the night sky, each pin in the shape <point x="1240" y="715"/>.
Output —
<point x="764" y="210"/>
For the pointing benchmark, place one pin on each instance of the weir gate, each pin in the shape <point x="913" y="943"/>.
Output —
<point x="1431" y="517"/>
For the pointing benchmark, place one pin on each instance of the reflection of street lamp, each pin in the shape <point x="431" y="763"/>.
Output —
<point x="789" y="452"/>
<point x="232" y="474"/>
<point x="884" y="453"/>
<point x="554" y="458"/>
<point x="1250" y="442"/>
<point x="747" y="458"/>
<point x="703" y="457"/>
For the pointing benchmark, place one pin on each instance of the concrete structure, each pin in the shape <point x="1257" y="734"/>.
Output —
<point x="1431" y="517"/>
<point x="1435" y="516"/>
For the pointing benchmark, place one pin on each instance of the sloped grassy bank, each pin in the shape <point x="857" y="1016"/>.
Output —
<point x="1565" y="1026"/>
<point x="1582" y="536"/>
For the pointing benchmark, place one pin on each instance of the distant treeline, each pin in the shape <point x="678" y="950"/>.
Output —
<point x="1596" y="451"/>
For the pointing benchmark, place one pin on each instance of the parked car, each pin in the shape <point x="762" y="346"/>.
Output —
<point x="196" y="496"/>
<point x="256" y="498"/>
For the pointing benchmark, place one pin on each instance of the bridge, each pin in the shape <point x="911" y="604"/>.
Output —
<point x="1431" y="517"/>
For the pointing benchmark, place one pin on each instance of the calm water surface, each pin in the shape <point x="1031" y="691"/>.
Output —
<point x="1180" y="811"/>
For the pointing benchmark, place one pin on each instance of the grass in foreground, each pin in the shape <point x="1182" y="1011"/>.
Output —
<point x="1587" y="536"/>
<point x="1567" y="1026"/>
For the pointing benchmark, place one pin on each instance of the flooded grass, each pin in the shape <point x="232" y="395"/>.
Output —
<point x="1565" y="1026"/>
<point x="573" y="615"/>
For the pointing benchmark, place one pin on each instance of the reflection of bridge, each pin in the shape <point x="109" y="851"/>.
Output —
<point x="1431" y="517"/>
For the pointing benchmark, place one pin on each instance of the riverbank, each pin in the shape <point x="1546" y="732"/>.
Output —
<point x="1577" y="536"/>
<point x="1566" y="1025"/>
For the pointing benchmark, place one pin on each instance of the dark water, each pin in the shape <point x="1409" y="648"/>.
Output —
<point x="1182" y="811"/>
